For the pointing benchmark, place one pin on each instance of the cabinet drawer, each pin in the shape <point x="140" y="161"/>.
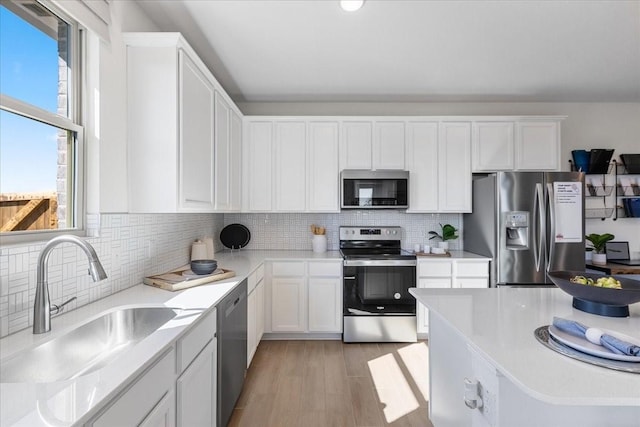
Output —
<point x="132" y="406"/>
<point x="327" y="269"/>
<point x="190" y="345"/>
<point x="291" y="268"/>
<point x="435" y="283"/>
<point x="432" y="268"/>
<point x="472" y="269"/>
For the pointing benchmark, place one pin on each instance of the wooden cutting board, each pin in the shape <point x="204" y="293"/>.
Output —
<point x="183" y="278"/>
<point x="444" y="255"/>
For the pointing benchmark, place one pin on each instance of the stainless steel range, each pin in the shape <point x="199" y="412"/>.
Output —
<point x="377" y="277"/>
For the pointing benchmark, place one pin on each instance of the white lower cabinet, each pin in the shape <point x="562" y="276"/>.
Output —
<point x="255" y="311"/>
<point x="196" y="389"/>
<point x="305" y="297"/>
<point x="288" y="304"/>
<point x="437" y="273"/>
<point x="179" y="389"/>
<point x="141" y="400"/>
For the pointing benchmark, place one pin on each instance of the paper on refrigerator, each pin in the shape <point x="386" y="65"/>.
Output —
<point x="567" y="200"/>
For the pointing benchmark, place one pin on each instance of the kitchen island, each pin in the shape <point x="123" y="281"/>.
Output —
<point x="487" y="335"/>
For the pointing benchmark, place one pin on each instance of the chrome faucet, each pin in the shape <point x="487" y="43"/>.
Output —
<point x="41" y="307"/>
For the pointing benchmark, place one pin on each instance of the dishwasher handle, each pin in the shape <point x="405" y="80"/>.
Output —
<point x="231" y="306"/>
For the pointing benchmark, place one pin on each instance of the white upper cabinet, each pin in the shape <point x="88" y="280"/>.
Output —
<point x="493" y="146"/>
<point x="388" y="145"/>
<point x="372" y="144"/>
<point x="176" y="114"/>
<point x="422" y="163"/>
<point x="516" y="144"/>
<point x="454" y="171"/>
<point x="257" y="179"/>
<point x="537" y="145"/>
<point x="222" y="154"/>
<point x="196" y="137"/>
<point x="290" y="166"/>
<point x="323" y="173"/>
<point x="356" y="145"/>
<point x="235" y="162"/>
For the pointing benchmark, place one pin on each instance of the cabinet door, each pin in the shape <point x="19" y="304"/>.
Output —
<point x="133" y="405"/>
<point x="252" y="322"/>
<point x="388" y="146"/>
<point x="235" y="162"/>
<point x="422" y="163"/>
<point x="258" y="153"/>
<point x="454" y="172"/>
<point x="323" y="171"/>
<point x="196" y="138"/>
<point x="259" y="311"/>
<point x="423" y="312"/>
<point x="356" y="145"/>
<point x="222" y="154"/>
<point x="196" y="389"/>
<point x="287" y="304"/>
<point x="537" y="145"/>
<point x="163" y="415"/>
<point x="325" y="304"/>
<point x="291" y="167"/>
<point x="492" y="146"/>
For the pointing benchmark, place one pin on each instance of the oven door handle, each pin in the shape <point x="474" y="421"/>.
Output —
<point x="349" y="277"/>
<point x="380" y="263"/>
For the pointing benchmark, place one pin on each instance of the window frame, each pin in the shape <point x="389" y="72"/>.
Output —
<point x="74" y="123"/>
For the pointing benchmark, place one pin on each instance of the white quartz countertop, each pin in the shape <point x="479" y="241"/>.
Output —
<point x="75" y="401"/>
<point x="457" y="255"/>
<point x="499" y="324"/>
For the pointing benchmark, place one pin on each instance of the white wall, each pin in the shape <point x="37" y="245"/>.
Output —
<point x="588" y="125"/>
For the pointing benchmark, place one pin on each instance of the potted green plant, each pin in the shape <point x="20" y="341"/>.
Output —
<point x="599" y="242"/>
<point x="448" y="232"/>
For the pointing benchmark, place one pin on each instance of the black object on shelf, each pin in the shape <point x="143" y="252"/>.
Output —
<point x="631" y="163"/>
<point x="599" y="159"/>
<point x="235" y="236"/>
<point x="581" y="159"/>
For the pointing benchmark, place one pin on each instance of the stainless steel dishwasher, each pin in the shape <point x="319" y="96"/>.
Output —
<point x="232" y="350"/>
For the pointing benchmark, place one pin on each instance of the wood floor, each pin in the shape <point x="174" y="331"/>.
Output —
<point x="329" y="383"/>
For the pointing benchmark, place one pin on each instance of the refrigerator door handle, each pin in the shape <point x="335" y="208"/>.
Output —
<point x="539" y="234"/>
<point x="552" y="218"/>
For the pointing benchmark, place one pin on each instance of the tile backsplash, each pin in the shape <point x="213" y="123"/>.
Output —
<point x="130" y="247"/>
<point x="291" y="231"/>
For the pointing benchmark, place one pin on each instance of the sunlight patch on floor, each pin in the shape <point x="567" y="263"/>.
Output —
<point x="392" y="387"/>
<point x="416" y="359"/>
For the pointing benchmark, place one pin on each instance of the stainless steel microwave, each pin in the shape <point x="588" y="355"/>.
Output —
<point x="380" y="189"/>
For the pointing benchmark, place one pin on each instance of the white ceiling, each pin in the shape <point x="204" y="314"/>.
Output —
<point x="396" y="50"/>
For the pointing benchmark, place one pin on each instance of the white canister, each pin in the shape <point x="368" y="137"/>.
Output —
<point x="319" y="243"/>
<point x="426" y="249"/>
<point x="416" y="248"/>
<point x="198" y="250"/>
<point x="208" y="241"/>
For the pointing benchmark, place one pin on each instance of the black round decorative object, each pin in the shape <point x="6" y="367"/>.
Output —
<point x="235" y="236"/>
<point x="595" y="300"/>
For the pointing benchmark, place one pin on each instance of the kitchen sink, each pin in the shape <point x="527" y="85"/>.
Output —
<point x="87" y="348"/>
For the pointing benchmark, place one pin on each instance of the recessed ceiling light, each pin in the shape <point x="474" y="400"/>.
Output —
<point x="351" y="5"/>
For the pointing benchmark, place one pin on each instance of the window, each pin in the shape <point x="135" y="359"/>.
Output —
<point x="40" y="134"/>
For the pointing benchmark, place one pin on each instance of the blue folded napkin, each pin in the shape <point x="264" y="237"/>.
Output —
<point x="610" y="342"/>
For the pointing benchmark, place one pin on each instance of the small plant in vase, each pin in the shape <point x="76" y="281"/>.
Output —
<point x="448" y="232"/>
<point x="599" y="242"/>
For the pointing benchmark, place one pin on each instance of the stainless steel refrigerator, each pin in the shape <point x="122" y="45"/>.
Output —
<point x="529" y="223"/>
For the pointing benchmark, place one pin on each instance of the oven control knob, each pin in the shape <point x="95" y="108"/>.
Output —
<point x="387" y="231"/>
<point x="397" y="295"/>
<point x="395" y="231"/>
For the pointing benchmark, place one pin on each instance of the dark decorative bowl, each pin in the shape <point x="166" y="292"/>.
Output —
<point x="596" y="300"/>
<point x="204" y="266"/>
